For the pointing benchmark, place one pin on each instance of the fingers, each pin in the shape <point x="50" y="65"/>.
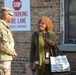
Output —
<point x="52" y="43"/>
<point x="14" y="54"/>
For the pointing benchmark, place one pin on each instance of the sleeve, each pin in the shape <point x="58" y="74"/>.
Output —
<point x="55" y="47"/>
<point x="33" y="47"/>
<point x="53" y="36"/>
<point x="4" y="45"/>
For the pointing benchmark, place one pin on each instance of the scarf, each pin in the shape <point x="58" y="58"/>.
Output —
<point x="42" y="51"/>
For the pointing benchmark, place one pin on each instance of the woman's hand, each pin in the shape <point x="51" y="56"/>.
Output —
<point x="52" y="43"/>
<point x="33" y="66"/>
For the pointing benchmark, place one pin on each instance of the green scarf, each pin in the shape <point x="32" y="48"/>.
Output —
<point x="42" y="51"/>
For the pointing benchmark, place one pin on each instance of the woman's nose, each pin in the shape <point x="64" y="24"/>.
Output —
<point x="40" y="24"/>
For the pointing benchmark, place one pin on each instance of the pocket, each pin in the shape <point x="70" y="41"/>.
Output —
<point x="5" y="37"/>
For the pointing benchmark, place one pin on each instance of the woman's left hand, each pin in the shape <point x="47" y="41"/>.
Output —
<point x="52" y="43"/>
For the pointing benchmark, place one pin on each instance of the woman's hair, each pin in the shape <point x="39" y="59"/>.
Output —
<point x="47" y="21"/>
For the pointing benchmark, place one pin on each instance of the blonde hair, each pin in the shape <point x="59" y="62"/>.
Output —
<point x="47" y="21"/>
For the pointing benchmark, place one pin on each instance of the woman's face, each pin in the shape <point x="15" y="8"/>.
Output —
<point x="42" y="26"/>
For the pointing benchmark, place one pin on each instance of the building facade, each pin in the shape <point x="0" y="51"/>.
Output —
<point x="62" y="13"/>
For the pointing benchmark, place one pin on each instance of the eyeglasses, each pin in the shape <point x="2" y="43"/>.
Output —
<point x="42" y="23"/>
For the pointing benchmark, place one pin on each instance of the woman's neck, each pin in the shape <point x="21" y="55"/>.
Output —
<point x="43" y="31"/>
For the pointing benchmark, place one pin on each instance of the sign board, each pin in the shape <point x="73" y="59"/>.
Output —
<point x="21" y="19"/>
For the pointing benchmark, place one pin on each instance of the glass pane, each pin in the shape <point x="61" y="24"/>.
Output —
<point x="72" y="26"/>
<point x="72" y="19"/>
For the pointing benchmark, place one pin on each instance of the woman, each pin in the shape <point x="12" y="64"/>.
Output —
<point x="42" y="42"/>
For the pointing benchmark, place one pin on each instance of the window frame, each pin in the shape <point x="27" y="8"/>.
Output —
<point x="64" y="46"/>
<point x="63" y="21"/>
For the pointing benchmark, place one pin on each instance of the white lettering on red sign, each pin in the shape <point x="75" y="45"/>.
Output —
<point x="16" y="4"/>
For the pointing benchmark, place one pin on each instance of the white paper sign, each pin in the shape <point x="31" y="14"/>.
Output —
<point x="21" y="19"/>
<point x="59" y="64"/>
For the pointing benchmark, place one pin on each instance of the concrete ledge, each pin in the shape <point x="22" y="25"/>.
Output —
<point x="72" y="72"/>
<point x="67" y="48"/>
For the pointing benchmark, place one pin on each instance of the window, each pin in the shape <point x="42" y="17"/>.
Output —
<point x="70" y="21"/>
<point x="68" y="25"/>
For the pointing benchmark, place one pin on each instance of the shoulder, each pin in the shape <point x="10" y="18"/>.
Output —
<point x="35" y="34"/>
<point x="52" y="35"/>
<point x="52" y="32"/>
<point x="1" y="24"/>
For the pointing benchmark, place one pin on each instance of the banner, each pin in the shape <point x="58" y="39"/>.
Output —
<point x="21" y="18"/>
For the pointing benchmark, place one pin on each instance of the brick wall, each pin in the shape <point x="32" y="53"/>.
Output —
<point x="49" y="8"/>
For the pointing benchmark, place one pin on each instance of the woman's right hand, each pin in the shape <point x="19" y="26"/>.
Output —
<point x="33" y="66"/>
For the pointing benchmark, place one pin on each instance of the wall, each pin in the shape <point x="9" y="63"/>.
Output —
<point x="49" y="8"/>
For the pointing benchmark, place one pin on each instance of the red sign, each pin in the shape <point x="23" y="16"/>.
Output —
<point x="17" y="4"/>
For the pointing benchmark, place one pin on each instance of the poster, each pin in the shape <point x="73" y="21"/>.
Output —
<point x="59" y="64"/>
<point x="21" y="19"/>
